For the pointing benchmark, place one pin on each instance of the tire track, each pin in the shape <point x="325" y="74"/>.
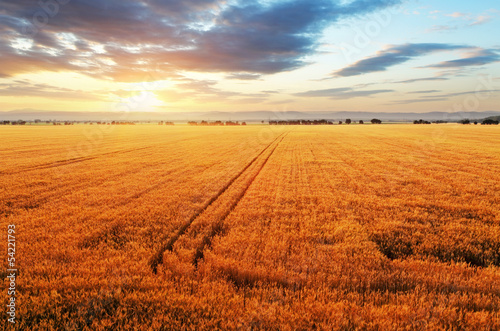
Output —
<point x="61" y="163"/>
<point x="40" y="197"/>
<point x="217" y="228"/>
<point x="168" y="246"/>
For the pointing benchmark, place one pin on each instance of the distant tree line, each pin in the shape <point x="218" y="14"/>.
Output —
<point x="320" y="122"/>
<point x="301" y="122"/>
<point x="487" y="121"/>
<point x="421" y="122"/>
<point x="217" y="123"/>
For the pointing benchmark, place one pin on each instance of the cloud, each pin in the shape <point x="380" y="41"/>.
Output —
<point x="140" y="39"/>
<point x="443" y="97"/>
<point x="407" y="81"/>
<point x="407" y="101"/>
<point x="424" y="92"/>
<point x="188" y="89"/>
<point x="243" y="76"/>
<point x="478" y="20"/>
<point x="28" y="89"/>
<point x="393" y="56"/>
<point x="458" y="15"/>
<point x="477" y="57"/>
<point x="249" y="100"/>
<point x="340" y="93"/>
<point x="439" y="28"/>
<point x="280" y="102"/>
<point x="482" y="19"/>
<point x="449" y="95"/>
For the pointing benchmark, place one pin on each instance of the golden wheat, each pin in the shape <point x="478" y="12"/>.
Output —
<point x="148" y="227"/>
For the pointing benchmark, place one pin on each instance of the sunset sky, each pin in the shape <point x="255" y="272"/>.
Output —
<point x="210" y="55"/>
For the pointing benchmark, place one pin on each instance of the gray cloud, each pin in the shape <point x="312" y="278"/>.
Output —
<point x="477" y="58"/>
<point x="26" y="88"/>
<point x="424" y="92"/>
<point x="393" y="56"/>
<point x="340" y="93"/>
<point x="441" y="97"/>
<point x="243" y="76"/>
<point x="407" y="101"/>
<point x="421" y="80"/>
<point x="449" y="95"/>
<point x="163" y="37"/>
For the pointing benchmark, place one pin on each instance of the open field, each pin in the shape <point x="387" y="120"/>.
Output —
<point x="374" y="227"/>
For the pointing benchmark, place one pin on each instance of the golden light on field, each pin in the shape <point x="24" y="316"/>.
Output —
<point x="384" y="227"/>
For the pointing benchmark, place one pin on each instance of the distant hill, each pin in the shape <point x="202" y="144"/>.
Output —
<point x="31" y="114"/>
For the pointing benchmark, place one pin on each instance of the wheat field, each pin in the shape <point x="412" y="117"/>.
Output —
<point x="360" y="227"/>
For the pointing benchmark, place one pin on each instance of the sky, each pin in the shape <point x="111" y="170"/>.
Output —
<point x="254" y="55"/>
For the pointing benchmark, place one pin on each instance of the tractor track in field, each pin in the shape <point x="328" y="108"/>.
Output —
<point x="69" y="161"/>
<point x="157" y="258"/>
<point x="61" y="163"/>
<point x="207" y="241"/>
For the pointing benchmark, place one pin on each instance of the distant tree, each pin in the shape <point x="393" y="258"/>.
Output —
<point x="348" y="121"/>
<point x="465" y="121"/>
<point x="340" y="122"/>
<point x="490" y="122"/>
<point x="361" y="122"/>
<point x="475" y="122"/>
<point x="376" y="121"/>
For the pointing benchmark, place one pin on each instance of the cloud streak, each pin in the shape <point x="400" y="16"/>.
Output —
<point x="478" y="57"/>
<point x="415" y="80"/>
<point x="393" y="56"/>
<point x="340" y="93"/>
<point x="28" y="89"/>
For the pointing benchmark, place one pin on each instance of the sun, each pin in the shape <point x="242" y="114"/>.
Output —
<point x="145" y="101"/>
